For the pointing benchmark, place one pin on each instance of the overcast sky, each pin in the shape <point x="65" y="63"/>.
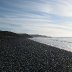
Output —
<point x="46" y="17"/>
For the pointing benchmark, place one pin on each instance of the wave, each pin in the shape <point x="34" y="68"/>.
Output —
<point x="59" y="42"/>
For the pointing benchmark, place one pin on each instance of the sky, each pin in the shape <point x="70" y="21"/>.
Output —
<point x="45" y="17"/>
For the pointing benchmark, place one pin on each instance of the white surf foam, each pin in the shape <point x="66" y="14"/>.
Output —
<point x="62" y="43"/>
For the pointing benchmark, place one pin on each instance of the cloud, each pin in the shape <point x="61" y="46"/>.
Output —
<point x="49" y="17"/>
<point x="64" y="8"/>
<point x="55" y="31"/>
<point x="57" y="7"/>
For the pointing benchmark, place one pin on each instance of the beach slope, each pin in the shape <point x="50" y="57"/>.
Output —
<point x="24" y="55"/>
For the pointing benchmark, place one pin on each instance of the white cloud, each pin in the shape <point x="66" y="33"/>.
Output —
<point x="64" y="8"/>
<point x="38" y="20"/>
<point x="55" y="31"/>
<point x="58" y="7"/>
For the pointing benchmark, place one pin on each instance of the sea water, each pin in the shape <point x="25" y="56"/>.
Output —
<point x="59" y="42"/>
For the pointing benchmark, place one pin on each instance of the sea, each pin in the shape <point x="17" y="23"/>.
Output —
<point x="64" y="43"/>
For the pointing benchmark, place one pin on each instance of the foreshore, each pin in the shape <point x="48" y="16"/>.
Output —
<point x="24" y="55"/>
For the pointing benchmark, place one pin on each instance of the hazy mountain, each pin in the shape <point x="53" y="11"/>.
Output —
<point x="36" y="35"/>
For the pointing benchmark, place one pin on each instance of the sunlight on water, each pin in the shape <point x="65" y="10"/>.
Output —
<point x="59" y="42"/>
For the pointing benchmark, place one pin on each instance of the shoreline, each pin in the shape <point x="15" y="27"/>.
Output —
<point x="54" y="42"/>
<point x="29" y="56"/>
